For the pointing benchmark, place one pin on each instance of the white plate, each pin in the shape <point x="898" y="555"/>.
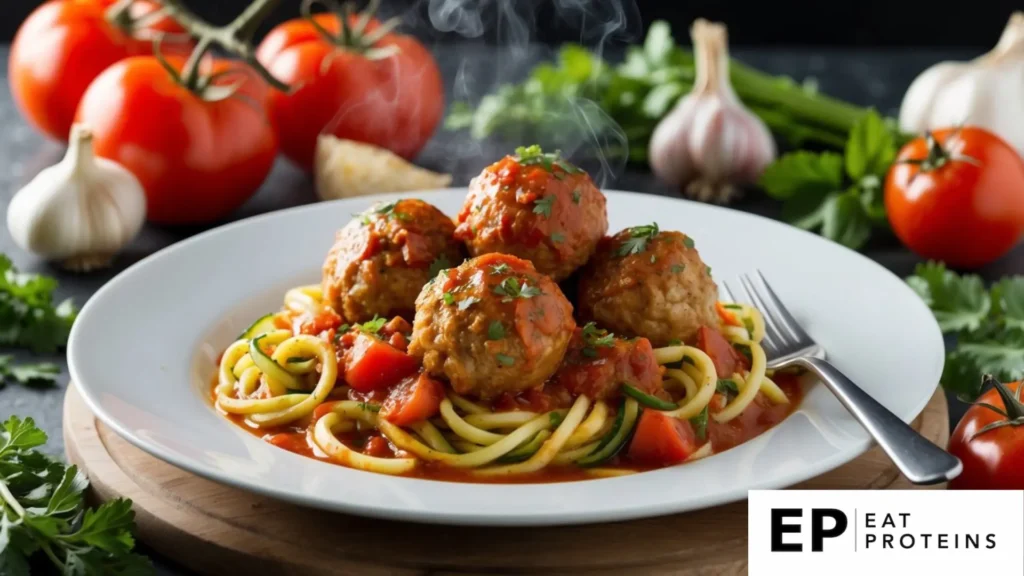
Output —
<point x="143" y="354"/>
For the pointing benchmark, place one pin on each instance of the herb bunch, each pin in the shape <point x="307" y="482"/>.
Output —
<point x="988" y="324"/>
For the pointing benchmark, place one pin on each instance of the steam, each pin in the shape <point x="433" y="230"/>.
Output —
<point x="590" y="138"/>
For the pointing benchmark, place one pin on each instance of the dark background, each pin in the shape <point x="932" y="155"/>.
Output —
<point x="860" y="23"/>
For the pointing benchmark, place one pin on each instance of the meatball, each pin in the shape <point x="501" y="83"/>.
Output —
<point x="383" y="257"/>
<point x="493" y="325"/>
<point x="649" y="283"/>
<point x="535" y="206"/>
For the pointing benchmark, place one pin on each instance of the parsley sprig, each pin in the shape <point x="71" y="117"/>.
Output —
<point x="989" y="325"/>
<point x="386" y="210"/>
<point x="543" y="205"/>
<point x="372" y="327"/>
<point x="28" y="317"/>
<point x="594" y="338"/>
<point x="639" y="236"/>
<point x="42" y="374"/>
<point x="511" y="289"/>
<point x="535" y="156"/>
<point x="42" y="512"/>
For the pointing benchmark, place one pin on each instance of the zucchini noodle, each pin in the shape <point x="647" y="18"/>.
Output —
<point x="272" y="377"/>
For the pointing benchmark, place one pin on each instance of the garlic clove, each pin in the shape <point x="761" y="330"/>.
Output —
<point x="346" y="168"/>
<point x="709" y="143"/>
<point x="80" y="211"/>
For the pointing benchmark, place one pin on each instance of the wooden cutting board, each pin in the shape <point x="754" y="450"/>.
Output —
<point x="215" y="529"/>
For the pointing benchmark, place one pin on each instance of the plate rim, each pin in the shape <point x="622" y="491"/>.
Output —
<point x="577" y="517"/>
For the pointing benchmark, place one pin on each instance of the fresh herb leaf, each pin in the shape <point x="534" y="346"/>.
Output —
<point x="557" y="237"/>
<point x="803" y="175"/>
<point x="466" y="302"/>
<point x="707" y="269"/>
<point x="594" y="338"/>
<point x="543" y="205"/>
<point x="555" y="418"/>
<point x="678" y="268"/>
<point x="1008" y="301"/>
<point x="535" y="156"/>
<point x="511" y="289"/>
<point x="845" y="221"/>
<point x="727" y="387"/>
<point x="28" y="317"/>
<point x="992" y="350"/>
<point x="496" y="331"/>
<point x="958" y="302"/>
<point x="700" y="424"/>
<point x="638" y="238"/>
<point x="576" y="195"/>
<point x="42" y="374"/>
<point x="675" y="342"/>
<point x="440" y="263"/>
<point x="449" y="298"/>
<point x="504" y="360"/>
<point x="870" y="149"/>
<point x="688" y="242"/>
<point x="502" y="268"/>
<point x="42" y="506"/>
<point x="372" y="326"/>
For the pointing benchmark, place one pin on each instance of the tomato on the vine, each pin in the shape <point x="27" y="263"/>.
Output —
<point x="199" y="148"/>
<point x="990" y="441"/>
<point x="353" y="78"/>
<point x="64" y="44"/>
<point x="957" y="195"/>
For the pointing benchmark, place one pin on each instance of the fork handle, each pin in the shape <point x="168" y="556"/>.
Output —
<point x="918" y="459"/>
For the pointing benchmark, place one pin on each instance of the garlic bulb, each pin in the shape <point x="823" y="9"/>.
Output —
<point x="710" y="142"/>
<point x="346" y="168"/>
<point x="987" y="92"/>
<point x="81" y="211"/>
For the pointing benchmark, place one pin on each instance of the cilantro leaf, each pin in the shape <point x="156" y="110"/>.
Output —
<point x="576" y="195"/>
<point x="440" y="263"/>
<point x="372" y="326"/>
<point x="870" y="149"/>
<point x="67" y="496"/>
<point x="496" y="331"/>
<point x="958" y="302"/>
<point x="34" y="375"/>
<point x="700" y="424"/>
<point x="543" y="205"/>
<point x="638" y="238"/>
<point x="502" y="268"/>
<point x="727" y="387"/>
<point x="505" y="360"/>
<point x="21" y="435"/>
<point x="511" y="289"/>
<point x="1008" y="301"/>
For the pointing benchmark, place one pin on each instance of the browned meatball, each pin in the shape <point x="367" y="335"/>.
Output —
<point x="383" y="257"/>
<point x="645" y="282"/>
<point x="535" y="206"/>
<point x="492" y="325"/>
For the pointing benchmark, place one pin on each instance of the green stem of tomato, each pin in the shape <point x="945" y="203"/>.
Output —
<point x="235" y="38"/>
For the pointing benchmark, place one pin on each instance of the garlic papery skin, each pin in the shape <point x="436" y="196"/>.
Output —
<point x="80" y="211"/>
<point x="710" y="142"/>
<point x="987" y="92"/>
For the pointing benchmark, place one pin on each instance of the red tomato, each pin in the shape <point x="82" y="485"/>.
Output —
<point x="958" y="197"/>
<point x="372" y="364"/>
<point x="727" y="360"/>
<point x="61" y="47"/>
<point x="994" y="459"/>
<point x="197" y="160"/>
<point x="350" y="90"/>
<point x="661" y="440"/>
<point x="414" y="399"/>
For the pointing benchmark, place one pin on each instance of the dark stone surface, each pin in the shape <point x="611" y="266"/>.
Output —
<point x="863" y="77"/>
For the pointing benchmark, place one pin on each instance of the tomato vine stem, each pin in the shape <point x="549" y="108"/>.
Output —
<point x="234" y="37"/>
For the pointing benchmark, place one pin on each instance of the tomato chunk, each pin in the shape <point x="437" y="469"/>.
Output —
<point x="661" y="440"/>
<point x="725" y="357"/>
<point x="372" y="364"/>
<point x="415" y="399"/>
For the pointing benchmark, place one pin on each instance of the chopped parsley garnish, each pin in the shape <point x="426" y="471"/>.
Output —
<point x="678" y="268"/>
<point x="639" y="236"/>
<point x="675" y="342"/>
<point x="576" y="195"/>
<point x="496" y="331"/>
<point x="449" y="298"/>
<point x="708" y="270"/>
<point x="40" y="375"/>
<point x="688" y="242"/>
<point x="535" y="156"/>
<point x="594" y="337"/>
<point x="373" y="326"/>
<point x="727" y="387"/>
<point x="465" y="303"/>
<point x="700" y="424"/>
<point x="557" y="237"/>
<point x="385" y="210"/>
<point x="440" y="263"/>
<point x="543" y="205"/>
<point x="732" y="306"/>
<point x="340" y="332"/>
<point x="511" y="289"/>
<point x="505" y="360"/>
<point x="500" y="268"/>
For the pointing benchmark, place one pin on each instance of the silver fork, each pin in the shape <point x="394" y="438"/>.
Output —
<point x="786" y="344"/>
